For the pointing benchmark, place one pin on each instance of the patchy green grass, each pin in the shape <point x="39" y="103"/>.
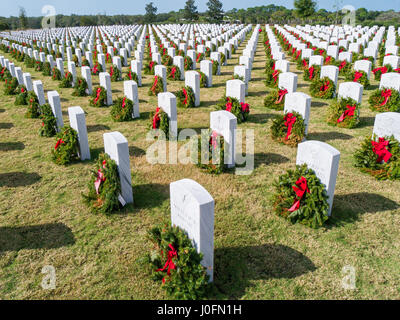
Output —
<point x="258" y="255"/>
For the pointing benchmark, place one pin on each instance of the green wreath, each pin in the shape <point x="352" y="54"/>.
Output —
<point x="323" y="88"/>
<point x="5" y="74"/>
<point x="98" y="97"/>
<point x="167" y="60"/>
<point x="160" y="121"/>
<point x="149" y="68"/>
<point x="97" y="69"/>
<point x="274" y="100"/>
<point x="199" y="57"/>
<point x="312" y="209"/>
<point x="215" y="67"/>
<point x="385" y="100"/>
<point x="66" y="82"/>
<point x="382" y="70"/>
<point x="49" y="122"/>
<point x="173" y="73"/>
<point x="22" y="96"/>
<point x="223" y="58"/>
<point x="237" y="77"/>
<point x="122" y="110"/>
<point x="207" y="52"/>
<point x="353" y="75"/>
<point x="240" y="110"/>
<point x="10" y="87"/>
<point x="33" y="110"/>
<point x="157" y="86"/>
<point x="188" y="63"/>
<point x="46" y="69"/>
<point x="115" y="74"/>
<point x="203" y="80"/>
<point x="174" y="262"/>
<point x="132" y="76"/>
<point x="329" y="61"/>
<point x="185" y="98"/>
<point x="85" y="62"/>
<point x="303" y="64"/>
<point x="320" y="52"/>
<point x="370" y="162"/>
<point x="316" y="73"/>
<point x="104" y="186"/>
<point x="280" y="127"/>
<point x="56" y="74"/>
<point x="344" y="67"/>
<point x="212" y="161"/>
<point x="80" y="88"/>
<point x="344" y="113"/>
<point x="272" y="78"/>
<point x="67" y="146"/>
<point x="38" y="66"/>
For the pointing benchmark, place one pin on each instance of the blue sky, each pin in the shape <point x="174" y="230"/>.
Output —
<point x="111" y="7"/>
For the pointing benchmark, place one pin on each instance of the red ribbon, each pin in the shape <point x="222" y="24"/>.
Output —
<point x="383" y="70"/>
<point x="342" y="65"/>
<point x="153" y="88"/>
<point x="397" y="70"/>
<point x="357" y="76"/>
<point x="123" y="103"/>
<point x="198" y="57"/>
<point x="97" y="95"/>
<point x="169" y="265"/>
<point x="59" y="143"/>
<point x="348" y="113"/>
<point x="156" y="118"/>
<point x="290" y="120"/>
<point x="214" y="139"/>
<point x="298" y="54"/>
<point x="111" y="71"/>
<point x="275" y="75"/>
<point x="151" y="65"/>
<point x="173" y="71"/>
<point x="325" y="86"/>
<point x="387" y="93"/>
<point x="282" y="94"/>
<point x="311" y="71"/>
<point x="321" y="52"/>
<point x="379" y="148"/>
<point x="186" y="96"/>
<point x="305" y="65"/>
<point x="328" y="59"/>
<point x="245" y="107"/>
<point x="95" y="70"/>
<point x="300" y="189"/>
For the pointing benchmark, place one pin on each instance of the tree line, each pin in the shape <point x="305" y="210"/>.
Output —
<point x="305" y="11"/>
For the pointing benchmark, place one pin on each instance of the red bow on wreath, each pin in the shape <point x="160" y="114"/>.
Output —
<point x="214" y="139"/>
<point x="95" y="70"/>
<point x="229" y="105"/>
<point x="290" y="120"/>
<point x="22" y="90"/>
<point x="186" y="96"/>
<point x="311" y="71"/>
<point x="151" y="65"/>
<point x="100" y="178"/>
<point x="325" y="86"/>
<point x="156" y="118"/>
<point x="321" y="52"/>
<point x="58" y="144"/>
<point x="300" y="189"/>
<point x="123" y="103"/>
<point x="383" y="70"/>
<point x="173" y="71"/>
<point x="97" y="95"/>
<point x="169" y="265"/>
<point x="328" y="59"/>
<point x="275" y="75"/>
<point x="198" y="57"/>
<point x="153" y="88"/>
<point x="348" y="113"/>
<point x="298" y="54"/>
<point x="281" y="95"/>
<point x="379" y="148"/>
<point x="111" y="71"/>
<point x="387" y="93"/>
<point x="357" y="76"/>
<point x="342" y="65"/>
<point x="245" y="107"/>
<point x="305" y="65"/>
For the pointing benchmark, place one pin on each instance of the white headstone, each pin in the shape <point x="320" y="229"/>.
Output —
<point x="167" y="102"/>
<point x="387" y="124"/>
<point x="351" y="90"/>
<point x="105" y="82"/>
<point x="299" y="102"/>
<point x="236" y="89"/>
<point x="332" y="72"/>
<point x="131" y="92"/>
<point x="55" y="103"/>
<point x="206" y="68"/>
<point x="288" y="81"/>
<point x="192" y="79"/>
<point x="161" y="71"/>
<point x="87" y="75"/>
<point x="390" y="80"/>
<point x="77" y="121"/>
<point x="38" y="88"/>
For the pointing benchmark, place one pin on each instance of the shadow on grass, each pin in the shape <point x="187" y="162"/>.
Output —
<point x="18" y="179"/>
<point x="6" y="125"/>
<point x="135" y="151"/>
<point x="46" y="236"/>
<point x="328" y="136"/>
<point x="259" y="118"/>
<point x="268" y="158"/>
<point x="2" y="110"/>
<point x="150" y="195"/>
<point x="366" y="122"/>
<point x="347" y="208"/>
<point x="236" y="267"/>
<point x="97" y="127"/>
<point x="261" y="93"/>
<point x="10" y="146"/>
<point x="318" y="104"/>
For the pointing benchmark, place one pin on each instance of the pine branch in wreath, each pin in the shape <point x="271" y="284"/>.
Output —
<point x="167" y="60"/>
<point x="240" y="110"/>
<point x="276" y="99"/>
<point x="122" y="110"/>
<point x="157" y="86"/>
<point x="211" y="156"/>
<point x="215" y="67"/>
<point x="378" y="72"/>
<point x="300" y="197"/>
<point x="344" y="67"/>
<point x="49" y="123"/>
<point x="288" y="129"/>
<point x="320" y="52"/>
<point x="98" y="98"/>
<point x="104" y="187"/>
<point x="358" y="76"/>
<point x="56" y="74"/>
<point x="379" y="157"/>
<point x="85" y="62"/>
<point x="33" y="110"/>
<point x="46" y="69"/>
<point x="323" y="88"/>
<point x="344" y="113"/>
<point x="80" y="88"/>
<point x="207" y="52"/>
<point x="223" y="58"/>
<point x="237" y="77"/>
<point x="272" y="78"/>
<point x="22" y="96"/>
<point x="115" y="74"/>
<point x="185" y="98"/>
<point x="173" y="73"/>
<point x="176" y="264"/>
<point x="385" y="100"/>
<point x="97" y="68"/>
<point x="5" y="74"/>
<point x="188" y="63"/>
<point x="10" y="86"/>
<point x="329" y="61"/>
<point x="38" y="66"/>
<point x="131" y="76"/>
<point x="67" y="81"/>
<point x="203" y="80"/>
<point x="312" y="73"/>
<point x="160" y="121"/>
<point x="66" y="148"/>
<point x="303" y="64"/>
<point x="199" y="57"/>
<point x="149" y="68"/>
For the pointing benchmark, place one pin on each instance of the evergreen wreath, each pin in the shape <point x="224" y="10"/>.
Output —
<point x="288" y="129"/>
<point x="358" y="76"/>
<point x="85" y="62"/>
<point x="344" y="67"/>
<point x="303" y="64"/>
<point x="379" y="157"/>
<point x="149" y="68"/>
<point x="215" y="67"/>
<point x="122" y="110"/>
<point x="272" y="79"/>
<point x="132" y="76"/>
<point x="10" y="87"/>
<point x="199" y="57"/>
<point x="167" y="60"/>
<point x="33" y="110"/>
<point x="188" y="63"/>
<point x="378" y="72"/>
<point x="240" y="110"/>
<point x="104" y="186"/>
<point x="312" y="73"/>
<point x="275" y="100"/>
<point x="223" y="58"/>
<point x="237" y="77"/>
<point x="344" y="113"/>
<point x="329" y="61"/>
<point x="5" y="74"/>
<point x="323" y="88"/>
<point x="46" y="69"/>
<point x="67" y="81"/>
<point x="97" y="69"/>
<point x="67" y="146"/>
<point x="185" y="98"/>
<point x="80" y="88"/>
<point x="115" y="74"/>
<point x="38" y="66"/>
<point x="207" y="52"/>
<point x="173" y="73"/>
<point x="157" y="86"/>
<point x="22" y="96"/>
<point x="174" y="262"/>
<point x="98" y="98"/>
<point x="160" y="121"/>
<point x="320" y="52"/>
<point x="385" y="100"/>
<point x="49" y="122"/>
<point x="301" y="198"/>
<point x="75" y="60"/>
<point x="56" y="74"/>
<point x="203" y="80"/>
<point x="212" y="161"/>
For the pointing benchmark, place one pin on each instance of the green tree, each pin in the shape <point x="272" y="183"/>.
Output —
<point x="190" y="11"/>
<point x="304" y="8"/>
<point x="361" y="14"/>
<point x="215" y="13"/>
<point x="151" y="11"/>
<point x="23" y="20"/>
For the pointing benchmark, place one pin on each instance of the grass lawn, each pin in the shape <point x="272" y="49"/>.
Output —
<point x="258" y="255"/>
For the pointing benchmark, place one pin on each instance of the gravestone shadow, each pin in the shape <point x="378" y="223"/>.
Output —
<point x="259" y="118"/>
<point x="348" y="208"/>
<point x="269" y="158"/>
<point x="18" y="179"/>
<point x="318" y="104"/>
<point x="150" y="195"/>
<point x="237" y="267"/>
<point x="97" y="127"/>
<point x="328" y="136"/>
<point x="46" y="236"/>
<point x="366" y="122"/>
<point x="135" y="151"/>
<point x="11" y="146"/>
<point x="2" y="110"/>
<point x="6" y="125"/>
<point x="261" y="93"/>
